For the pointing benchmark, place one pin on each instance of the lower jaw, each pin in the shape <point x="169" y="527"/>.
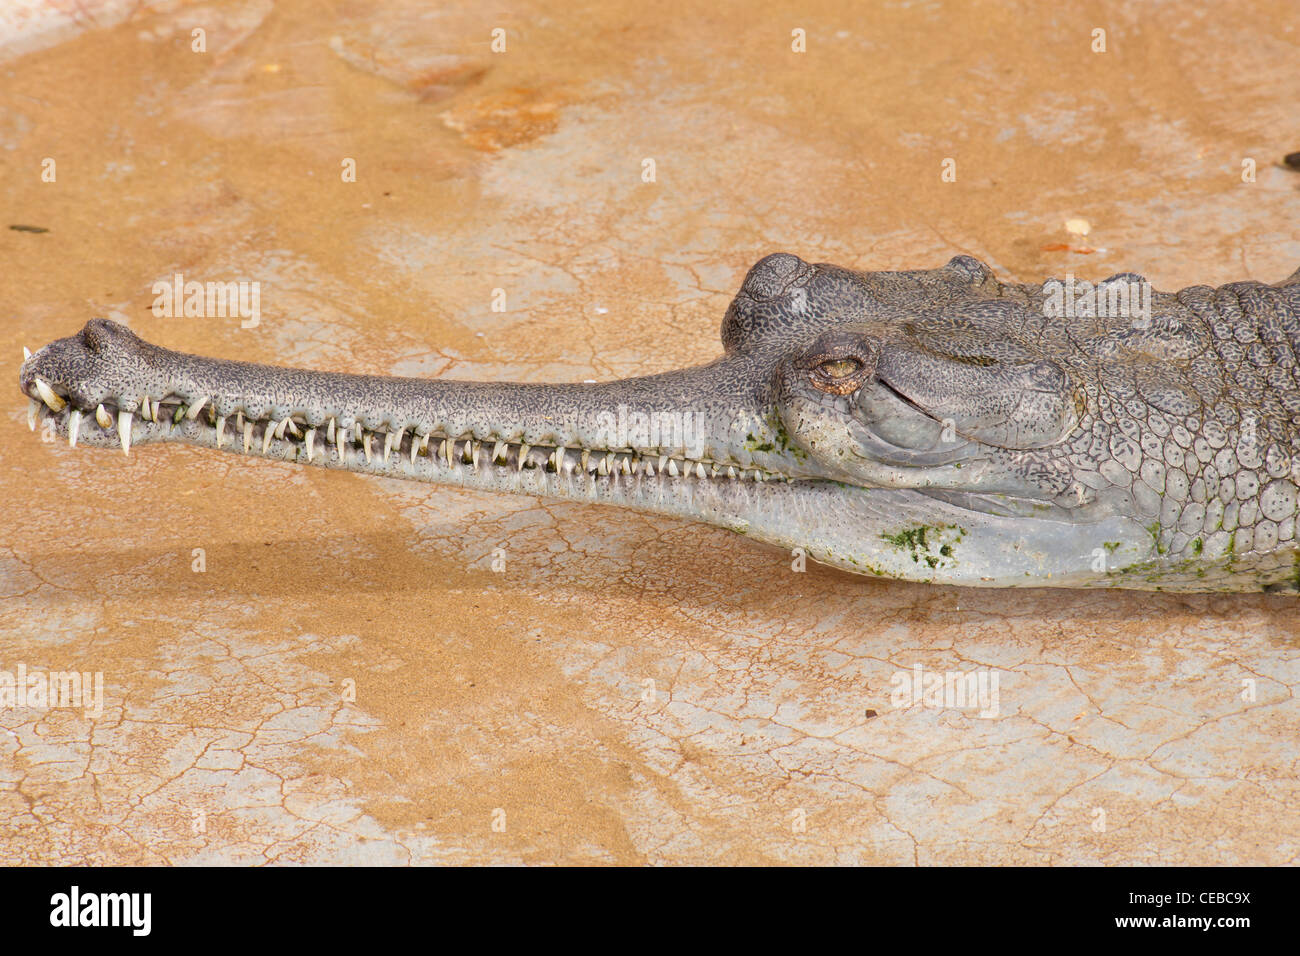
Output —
<point x="643" y="481"/>
<point x="892" y="533"/>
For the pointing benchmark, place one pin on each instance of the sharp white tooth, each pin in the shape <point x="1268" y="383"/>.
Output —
<point x="603" y="468"/>
<point x="365" y="444"/>
<point x="360" y="430"/>
<point x="197" y="407"/>
<point x="124" y="431"/>
<point x="585" y="460"/>
<point x="649" y="468"/>
<point x="758" y="475"/>
<point x="221" y="430"/>
<point x="74" y="422"/>
<point x="626" y="467"/>
<point x="339" y="442"/>
<point x="248" y="436"/>
<point x="309" y="441"/>
<point x="498" y="451"/>
<point x="239" y="421"/>
<point x="48" y="397"/>
<point x="329" y="432"/>
<point x="699" y="470"/>
<point x="444" y="452"/>
<point x="672" y="467"/>
<point x="415" y="446"/>
<point x="553" y="463"/>
<point x="714" y="471"/>
<point x="473" y="454"/>
<point x="293" y="428"/>
<point x="609" y="462"/>
<point x="388" y="445"/>
<point x="731" y="471"/>
<point x="267" y="436"/>
<point x="145" y="410"/>
<point x="663" y="462"/>
<point x="103" y="417"/>
<point x="523" y="457"/>
<point x="424" y="444"/>
<point x="27" y="353"/>
<point x="279" y="429"/>
<point x="33" y="406"/>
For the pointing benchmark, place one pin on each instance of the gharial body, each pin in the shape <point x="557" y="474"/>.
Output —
<point x="932" y="425"/>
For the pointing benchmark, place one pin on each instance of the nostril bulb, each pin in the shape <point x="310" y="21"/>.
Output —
<point x="103" y="335"/>
<point x="93" y="338"/>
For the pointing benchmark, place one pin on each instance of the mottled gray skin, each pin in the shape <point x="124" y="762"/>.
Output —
<point x="933" y="425"/>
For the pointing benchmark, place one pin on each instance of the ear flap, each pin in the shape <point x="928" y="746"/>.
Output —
<point x="993" y="391"/>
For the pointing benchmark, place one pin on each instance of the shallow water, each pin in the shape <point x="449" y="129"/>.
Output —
<point x="349" y="680"/>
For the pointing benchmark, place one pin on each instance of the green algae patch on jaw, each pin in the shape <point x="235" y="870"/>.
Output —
<point x="777" y="440"/>
<point x="1154" y="530"/>
<point x="783" y="439"/>
<point x="931" y="545"/>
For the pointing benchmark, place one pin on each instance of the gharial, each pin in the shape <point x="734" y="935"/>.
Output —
<point x="933" y="425"/>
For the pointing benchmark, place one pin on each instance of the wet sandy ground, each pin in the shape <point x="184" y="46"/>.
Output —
<point x="348" y="679"/>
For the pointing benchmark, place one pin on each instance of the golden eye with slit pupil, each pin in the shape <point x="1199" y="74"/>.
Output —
<point x="840" y="368"/>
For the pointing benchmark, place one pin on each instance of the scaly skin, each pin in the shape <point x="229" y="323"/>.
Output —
<point x="932" y="425"/>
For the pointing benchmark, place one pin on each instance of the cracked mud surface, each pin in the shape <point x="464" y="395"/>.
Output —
<point x="350" y="680"/>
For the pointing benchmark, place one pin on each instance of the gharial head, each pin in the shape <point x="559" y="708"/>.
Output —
<point x="930" y="425"/>
<point x="892" y="395"/>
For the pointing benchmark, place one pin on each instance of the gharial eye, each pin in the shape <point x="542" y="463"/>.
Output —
<point x="841" y="375"/>
<point x="840" y="368"/>
<point x="838" y="362"/>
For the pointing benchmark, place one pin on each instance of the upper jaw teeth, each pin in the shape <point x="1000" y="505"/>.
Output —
<point x="443" y="452"/>
<point x="48" y="396"/>
<point x="124" y="431"/>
